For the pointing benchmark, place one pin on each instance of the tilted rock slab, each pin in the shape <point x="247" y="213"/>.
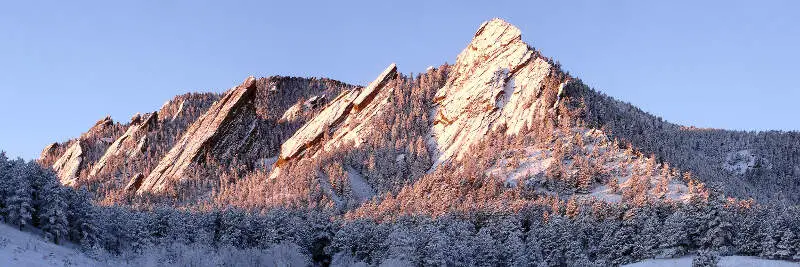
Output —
<point x="218" y="132"/>
<point x="496" y="81"/>
<point x="127" y="142"/>
<point x="335" y="113"/>
<point x="69" y="165"/>
<point x="134" y="183"/>
<point x="50" y="154"/>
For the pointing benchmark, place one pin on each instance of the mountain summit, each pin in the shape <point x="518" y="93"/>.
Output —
<point x="496" y="82"/>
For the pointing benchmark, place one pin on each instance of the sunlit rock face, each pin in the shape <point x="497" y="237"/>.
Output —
<point x="69" y="164"/>
<point x="126" y="143"/>
<point x="496" y="81"/>
<point x="219" y="132"/>
<point x="349" y="106"/>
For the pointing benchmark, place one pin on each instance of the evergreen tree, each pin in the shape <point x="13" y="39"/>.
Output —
<point x="19" y="209"/>
<point x="673" y="236"/>
<point x="533" y="245"/>
<point x="705" y="258"/>
<point x="784" y="249"/>
<point x="53" y="219"/>
<point x="82" y="216"/>
<point x="486" y="252"/>
<point x="401" y="244"/>
<point x="5" y="185"/>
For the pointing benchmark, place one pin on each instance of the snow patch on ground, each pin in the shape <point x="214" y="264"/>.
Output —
<point x="25" y="249"/>
<point x="729" y="261"/>
<point x="180" y="109"/>
<point x="523" y="168"/>
<point x="361" y="189"/>
<point x="606" y="194"/>
<point x="739" y="162"/>
<point x="266" y="164"/>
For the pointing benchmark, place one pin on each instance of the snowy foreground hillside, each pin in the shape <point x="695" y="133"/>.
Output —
<point x="730" y="261"/>
<point x="26" y="249"/>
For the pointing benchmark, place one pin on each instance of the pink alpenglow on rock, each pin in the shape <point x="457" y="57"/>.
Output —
<point x="234" y="110"/>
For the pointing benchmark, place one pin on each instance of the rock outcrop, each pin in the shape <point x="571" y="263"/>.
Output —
<point x="337" y="111"/>
<point x="136" y="133"/>
<point x="355" y="142"/>
<point x="101" y="125"/>
<point x="134" y="183"/>
<point x="50" y="154"/>
<point x="69" y="164"/>
<point x="218" y="132"/>
<point x="496" y="81"/>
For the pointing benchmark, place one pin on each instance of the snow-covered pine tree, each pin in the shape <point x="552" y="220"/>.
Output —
<point x="786" y="246"/>
<point x="401" y="244"/>
<point x="648" y="238"/>
<point x="719" y="229"/>
<point x="82" y="216"/>
<point x="53" y="218"/>
<point x="533" y="245"/>
<point x="674" y="241"/>
<point x="705" y="258"/>
<point x="486" y="252"/>
<point x="19" y="207"/>
<point x="5" y="185"/>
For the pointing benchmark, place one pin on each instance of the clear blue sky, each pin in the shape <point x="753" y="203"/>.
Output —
<point x="66" y="64"/>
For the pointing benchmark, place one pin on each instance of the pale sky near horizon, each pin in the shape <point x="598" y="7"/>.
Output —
<point x="66" y="64"/>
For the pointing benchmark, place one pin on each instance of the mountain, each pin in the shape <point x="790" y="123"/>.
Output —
<point x="503" y="123"/>
<point x="500" y="159"/>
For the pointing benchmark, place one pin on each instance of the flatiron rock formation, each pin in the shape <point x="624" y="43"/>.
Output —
<point x="496" y="81"/>
<point x="219" y="132"/>
<point x="336" y="112"/>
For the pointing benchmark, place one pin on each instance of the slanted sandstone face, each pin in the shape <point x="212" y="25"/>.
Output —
<point x="313" y="130"/>
<point x="372" y="89"/>
<point x="219" y="131"/>
<point x="101" y="124"/>
<point x="338" y="110"/>
<point x="135" y="183"/>
<point x="496" y="81"/>
<point x="50" y="152"/>
<point x="69" y="165"/>
<point x="127" y="141"/>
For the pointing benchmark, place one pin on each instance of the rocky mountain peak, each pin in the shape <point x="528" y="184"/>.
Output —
<point x="496" y="81"/>
<point x="102" y="124"/>
<point x="495" y="33"/>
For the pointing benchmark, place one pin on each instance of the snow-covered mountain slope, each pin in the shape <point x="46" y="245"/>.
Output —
<point x="502" y="106"/>
<point x="23" y="249"/>
<point x="19" y="248"/>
